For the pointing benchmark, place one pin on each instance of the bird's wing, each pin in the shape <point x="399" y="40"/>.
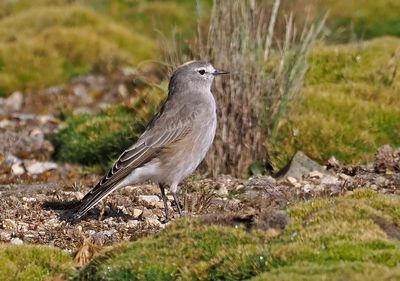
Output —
<point x="167" y="127"/>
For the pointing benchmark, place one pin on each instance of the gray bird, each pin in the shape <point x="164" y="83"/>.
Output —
<point x="173" y="143"/>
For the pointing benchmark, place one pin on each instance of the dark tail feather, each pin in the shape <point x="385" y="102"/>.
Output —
<point x="92" y="198"/>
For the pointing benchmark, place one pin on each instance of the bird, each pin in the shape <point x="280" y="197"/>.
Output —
<point x="173" y="143"/>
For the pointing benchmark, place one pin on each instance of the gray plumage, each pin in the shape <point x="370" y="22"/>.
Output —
<point x="173" y="143"/>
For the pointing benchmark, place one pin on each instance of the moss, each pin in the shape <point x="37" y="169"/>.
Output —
<point x="97" y="139"/>
<point x="186" y="250"/>
<point x="330" y="232"/>
<point x="43" y="46"/>
<point x="332" y="238"/>
<point x="350" y="105"/>
<point x="351" y="19"/>
<point x="33" y="263"/>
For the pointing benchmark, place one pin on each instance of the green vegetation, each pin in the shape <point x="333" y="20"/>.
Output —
<point x="351" y="19"/>
<point x="45" y="43"/>
<point x="350" y="104"/>
<point x="363" y="19"/>
<point x="99" y="138"/>
<point x="33" y="263"/>
<point x="350" y="237"/>
<point x="186" y="250"/>
<point x="45" y="46"/>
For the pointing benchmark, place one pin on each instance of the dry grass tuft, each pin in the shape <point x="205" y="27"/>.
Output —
<point x="264" y="78"/>
<point x="86" y="252"/>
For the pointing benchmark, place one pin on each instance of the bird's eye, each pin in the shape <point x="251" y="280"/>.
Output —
<point x="202" y="71"/>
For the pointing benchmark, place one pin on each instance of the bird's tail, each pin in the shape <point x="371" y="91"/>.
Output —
<point x="92" y="198"/>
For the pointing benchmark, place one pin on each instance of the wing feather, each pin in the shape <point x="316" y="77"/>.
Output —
<point x="162" y="131"/>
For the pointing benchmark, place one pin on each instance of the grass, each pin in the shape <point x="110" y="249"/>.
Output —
<point x="44" y="46"/>
<point x="352" y="237"/>
<point x="187" y="250"/>
<point x="351" y="19"/>
<point x="339" y="239"/>
<point x="349" y="104"/>
<point x="345" y="238"/>
<point x="100" y="138"/>
<point x="33" y="263"/>
<point x="97" y="139"/>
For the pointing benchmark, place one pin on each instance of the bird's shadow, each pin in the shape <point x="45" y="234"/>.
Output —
<point x="65" y="211"/>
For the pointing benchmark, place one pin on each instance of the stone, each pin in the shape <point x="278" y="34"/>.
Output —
<point x="291" y="180"/>
<point x="37" y="136"/>
<point x="300" y="166"/>
<point x="307" y="188"/>
<point x="153" y="222"/>
<point x="344" y="177"/>
<point x="149" y="198"/>
<point x="9" y="224"/>
<point x="222" y="190"/>
<point x="316" y="174"/>
<point x="11" y="159"/>
<point x="14" y="101"/>
<point x="17" y="169"/>
<point x="330" y="180"/>
<point x="5" y="123"/>
<point x="132" y="223"/>
<point x="5" y="235"/>
<point x="137" y="213"/>
<point x="16" y="241"/>
<point x="29" y="199"/>
<point x="122" y="90"/>
<point x="34" y="167"/>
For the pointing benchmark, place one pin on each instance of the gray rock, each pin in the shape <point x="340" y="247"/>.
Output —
<point x="149" y="198"/>
<point x="5" y="235"/>
<point x="300" y="166"/>
<point x="14" y="102"/>
<point x="9" y="224"/>
<point x="17" y="169"/>
<point x="132" y="223"/>
<point x="316" y="174"/>
<point x="11" y="159"/>
<point x="16" y="241"/>
<point x="34" y="167"/>
<point x="329" y="180"/>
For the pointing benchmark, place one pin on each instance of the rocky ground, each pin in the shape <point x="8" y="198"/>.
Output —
<point x="37" y="195"/>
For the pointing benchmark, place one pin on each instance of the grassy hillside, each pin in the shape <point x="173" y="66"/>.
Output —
<point x="337" y="239"/>
<point x="352" y="237"/>
<point x="351" y="19"/>
<point x="45" y="43"/>
<point x="351" y="103"/>
<point x="20" y="263"/>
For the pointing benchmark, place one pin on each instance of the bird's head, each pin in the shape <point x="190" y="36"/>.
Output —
<point x="198" y="74"/>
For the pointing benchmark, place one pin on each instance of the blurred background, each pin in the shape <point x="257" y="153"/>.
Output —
<point x="80" y="79"/>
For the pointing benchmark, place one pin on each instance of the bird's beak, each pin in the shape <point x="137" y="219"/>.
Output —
<point x="219" y="72"/>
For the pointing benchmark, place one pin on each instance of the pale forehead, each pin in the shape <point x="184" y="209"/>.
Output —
<point x="208" y="68"/>
<point x="197" y="65"/>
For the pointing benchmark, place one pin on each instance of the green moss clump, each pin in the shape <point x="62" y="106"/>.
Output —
<point x="350" y="104"/>
<point x="99" y="138"/>
<point x="33" y="263"/>
<point x="344" y="238"/>
<point x="186" y="250"/>
<point x="44" y="46"/>
<point x="339" y="239"/>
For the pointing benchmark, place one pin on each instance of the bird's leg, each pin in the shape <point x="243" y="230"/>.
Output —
<point x="165" y="200"/>
<point x="178" y="205"/>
